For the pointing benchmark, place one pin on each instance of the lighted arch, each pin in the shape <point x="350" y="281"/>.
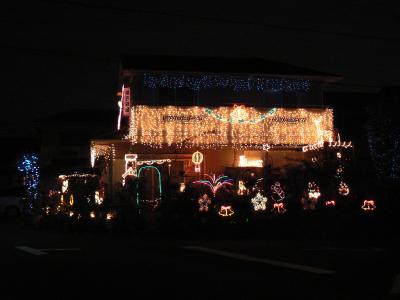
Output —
<point x="159" y="181"/>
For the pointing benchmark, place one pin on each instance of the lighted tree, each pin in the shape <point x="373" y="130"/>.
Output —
<point x="28" y="165"/>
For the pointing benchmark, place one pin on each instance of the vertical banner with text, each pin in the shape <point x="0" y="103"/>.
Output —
<point x="126" y="101"/>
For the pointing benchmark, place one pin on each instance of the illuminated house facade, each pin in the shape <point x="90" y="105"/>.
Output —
<point x="183" y="117"/>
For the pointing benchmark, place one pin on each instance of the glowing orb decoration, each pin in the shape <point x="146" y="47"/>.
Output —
<point x="92" y="215"/>
<point x="215" y="183"/>
<point x="313" y="191"/>
<point x="182" y="187"/>
<point x="314" y="159"/>
<point x="368" y="205"/>
<point x="259" y="202"/>
<point x="343" y="189"/>
<point x="339" y="155"/>
<point x="71" y="200"/>
<point x="197" y="159"/>
<point x="204" y="201"/>
<point x="71" y="214"/>
<point x="241" y="188"/>
<point x="330" y="203"/>
<point x="226" y="211"/>
<point x="279" y="208"/>
<point x="64" y="186"/>
<point x="277" y="193"/>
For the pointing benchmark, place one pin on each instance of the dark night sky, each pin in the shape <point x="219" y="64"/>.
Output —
<point x="59" y="55"/>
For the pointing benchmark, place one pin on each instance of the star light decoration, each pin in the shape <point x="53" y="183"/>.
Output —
<point x="277" y="193"/>
<point x="259" y="202"/>
<point x="206" y="128"/>
<point x="28" y="165"/>
<point x="204" y="202"/>
<point x="238" y="83"/>
<point x="215" y="183"/>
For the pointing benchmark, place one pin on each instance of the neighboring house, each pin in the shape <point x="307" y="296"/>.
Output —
<point x="64" y="138"/>
<point x="184" y="117"/>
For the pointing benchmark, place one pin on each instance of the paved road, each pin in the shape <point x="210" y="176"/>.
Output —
<point x="51" y="265"/>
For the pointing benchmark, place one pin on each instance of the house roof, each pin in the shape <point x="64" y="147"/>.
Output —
<point x="244" y="65"/>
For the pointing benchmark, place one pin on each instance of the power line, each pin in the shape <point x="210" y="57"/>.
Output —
<point x="127" y="10"/>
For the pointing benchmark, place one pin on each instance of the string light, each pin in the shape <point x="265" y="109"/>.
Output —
<point x="29" y="166"/>
<point x="99" y="150"/>
<point x="226" y="211"/>
<point x="71" y="200"/>
<point x="194" y="127"/>
<point x="331" y="144"/>
<point x="259" y="202"/>
<point x="279" y="208"/>
<point x="368" y="205"/>
<point x="204" y="201"/>
<point x="159" y="181"/>
<point x="154" y="161"/>
<point x="277" y="193"/>
<point x="216" y="183"/>
<point x="237" y="83"/>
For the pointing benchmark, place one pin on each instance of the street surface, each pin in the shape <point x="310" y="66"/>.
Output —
<point x="46" y="264"/>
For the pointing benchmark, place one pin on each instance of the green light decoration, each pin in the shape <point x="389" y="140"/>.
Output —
<point x="261" y="117"/>
<point x="138" y="176"/>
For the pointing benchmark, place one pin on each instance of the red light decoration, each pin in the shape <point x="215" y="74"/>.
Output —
<point x="330" y="203"/>
<point x="279" y="208"/>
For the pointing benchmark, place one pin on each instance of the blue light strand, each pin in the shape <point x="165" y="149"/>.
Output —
<point x="237" y="83"/>
<point x="29" y="166"/>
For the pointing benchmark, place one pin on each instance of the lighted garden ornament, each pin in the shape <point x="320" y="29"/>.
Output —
<point x="277" y="193"/>
<point x="130" y="166"/>
<point x="330" y="203"/>
<point x="343" y="189"/>
<point x="204" y="202"/>
<point x="226" y="211"/>
<point x="313" y="191"/>
<point x="197" y="159"/>
<point x="29" y="166"/>
<point x="215" y="183"/>
<point x="241" y="188"/>
<point x="368" y="205"/>
<point x="279" y="208"/>
<point x="259" y="202"/>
